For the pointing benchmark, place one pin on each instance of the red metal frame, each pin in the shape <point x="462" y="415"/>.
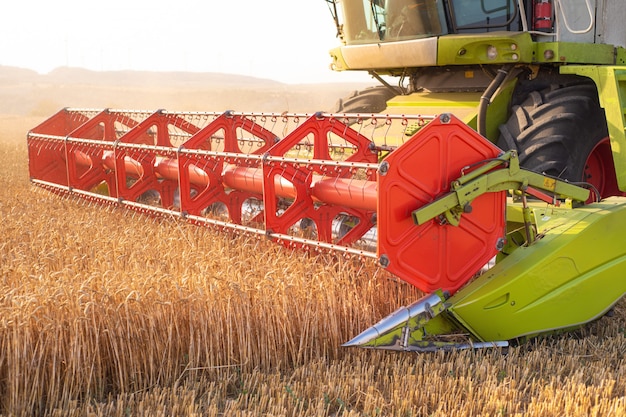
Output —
<point x="81" y="150"/>
<point x="297" y="179"/>
<point x="202" y="175"/>
<point x="192" y="166"/>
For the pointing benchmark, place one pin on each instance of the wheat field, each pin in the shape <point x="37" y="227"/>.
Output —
<point x="109" y="313"/>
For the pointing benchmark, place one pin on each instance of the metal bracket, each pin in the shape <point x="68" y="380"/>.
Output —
<point x="499" y="174"/>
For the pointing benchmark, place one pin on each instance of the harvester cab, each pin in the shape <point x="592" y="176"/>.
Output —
<point x="489" y="175"/>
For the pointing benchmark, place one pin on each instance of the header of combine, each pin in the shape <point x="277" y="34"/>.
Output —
<point x="432" y="212"/>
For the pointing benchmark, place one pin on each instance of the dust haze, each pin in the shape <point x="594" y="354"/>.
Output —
<point x="27" y="93"/>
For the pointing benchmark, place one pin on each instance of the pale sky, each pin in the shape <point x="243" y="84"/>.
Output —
<point x="284" y="40"/>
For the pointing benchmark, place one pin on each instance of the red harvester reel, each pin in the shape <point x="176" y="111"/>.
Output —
<point x="317" y="182"/>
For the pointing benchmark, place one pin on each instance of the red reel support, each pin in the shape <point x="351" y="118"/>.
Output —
<point x="436" y="255"/>
<point x="298" y="178"/>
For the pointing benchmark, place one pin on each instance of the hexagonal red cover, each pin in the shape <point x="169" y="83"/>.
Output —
<point x="433" y="255"/>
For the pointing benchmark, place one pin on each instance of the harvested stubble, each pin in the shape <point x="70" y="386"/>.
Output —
<point x="108" y="313"/>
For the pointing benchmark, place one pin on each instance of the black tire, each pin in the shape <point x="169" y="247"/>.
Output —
<point x="368" y="101"/>
<point x="555" y="130"/>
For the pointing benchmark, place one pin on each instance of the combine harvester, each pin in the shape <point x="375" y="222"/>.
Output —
<point x="491" y="176"/>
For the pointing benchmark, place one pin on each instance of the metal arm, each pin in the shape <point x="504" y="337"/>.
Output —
<point x="500" y="174"/>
